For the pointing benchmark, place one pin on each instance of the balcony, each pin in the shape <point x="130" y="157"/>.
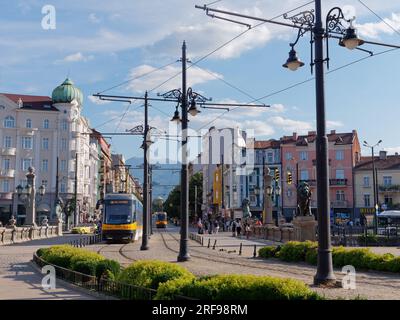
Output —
<point x="338" y="182"/>
<point x="7" y="173"/>
<point x="6" y="195"/>
<point x="311" y="183"/>
<point x="389" y="188"/>
<point x="339" y="204"/>
<point x="8" y="151"/>
<point x="76" y="134"/>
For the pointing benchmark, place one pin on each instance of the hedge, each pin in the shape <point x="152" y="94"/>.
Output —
<point x="237" y="287"/>
<point x="109" y="269"/>
<point x="361" y="258"/>
<point x="150" y="273"/>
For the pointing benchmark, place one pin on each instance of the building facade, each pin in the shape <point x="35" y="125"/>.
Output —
<point x="39" y="132"/>
<point x="298" y="160"/>
<point x="387" y="184"/>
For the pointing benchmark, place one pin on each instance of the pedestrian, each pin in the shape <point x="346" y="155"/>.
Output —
<point x="205" y="226"/>
<point x="247" y="230"/>
<point x="216" y="226"/>
<point x="233" y="225"/>
<point x="238" y="227"/>
<point x="200" y="227"/>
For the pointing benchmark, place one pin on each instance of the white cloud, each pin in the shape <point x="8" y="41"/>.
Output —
<point x="289" y="125"/>
<point x="334" y="124"/>
<point x="374" y="29"/>
<point x="93" y="18"/>
<point x="150" y="81"/>
<point x="392" y="150"/>
<point x="77" y="57"/>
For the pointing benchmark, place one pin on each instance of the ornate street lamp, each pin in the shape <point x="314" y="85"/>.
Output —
<point x="293" y="62"/>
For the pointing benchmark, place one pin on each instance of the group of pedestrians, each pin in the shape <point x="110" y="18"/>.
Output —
<point x="208" y="226"/>
<point x="238" y="226"/>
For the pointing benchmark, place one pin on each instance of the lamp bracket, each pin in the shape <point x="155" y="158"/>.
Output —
<point x="334" y="20"/>
<point x="138" y="129"/>
<point x="302" y="18"/>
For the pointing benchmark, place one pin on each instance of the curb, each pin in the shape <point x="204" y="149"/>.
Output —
<point x="71" y="286"/>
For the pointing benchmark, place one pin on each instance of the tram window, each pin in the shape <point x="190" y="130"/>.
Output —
<point x="118" y="212"/>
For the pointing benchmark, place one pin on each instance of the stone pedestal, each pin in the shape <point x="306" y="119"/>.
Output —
<point x="305" y="228"/>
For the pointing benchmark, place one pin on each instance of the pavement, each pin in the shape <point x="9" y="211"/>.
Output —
<point x="21" y="280"/>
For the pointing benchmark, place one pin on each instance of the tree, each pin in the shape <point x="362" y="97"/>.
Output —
<point x="195" y="181"/>
<point x="173" y="203"/>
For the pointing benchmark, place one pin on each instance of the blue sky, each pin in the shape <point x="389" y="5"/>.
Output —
<point x="102" y="43"/>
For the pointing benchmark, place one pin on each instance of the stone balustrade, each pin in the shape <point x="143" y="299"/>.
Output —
<point x="12" y="235"/>
<point x="283" y="233"/>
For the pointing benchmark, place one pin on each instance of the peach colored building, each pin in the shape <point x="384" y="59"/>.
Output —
<point x="298" y="158"/>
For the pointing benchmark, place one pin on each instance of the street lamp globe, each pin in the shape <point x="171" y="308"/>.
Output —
<point x="193" y="109"/>
<point x="19" y="190"/>
<point x="42" y="190"/>
<point x="28" y="189"/>
<point x="176" y="117"/>
<point x="293" y="62"/>
<point x="278" y="191"/>
<point x="351" y="40"/>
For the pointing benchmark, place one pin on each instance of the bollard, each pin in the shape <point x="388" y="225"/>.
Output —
<point x="209" y="242"/>
<point x="255" y="251"/>
<point x="215" y="242"/>
<point x="240" y="249"/>
<point x="202" y="241"/>
<point x="80" y="242"/>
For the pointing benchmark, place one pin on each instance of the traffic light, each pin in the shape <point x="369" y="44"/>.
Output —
<point x="289" y="177"/>
<point x="277" y="176"/>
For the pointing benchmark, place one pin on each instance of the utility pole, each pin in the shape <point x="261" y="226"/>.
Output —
<point x="195" y="202"/>
<point x="151" y="199"/>
<point x="183" y="248"/>
<point x="223" y="185"/>
<point x="76" y="190"/>
<point x="57" y="191"/>
<point x="145" y="239"/>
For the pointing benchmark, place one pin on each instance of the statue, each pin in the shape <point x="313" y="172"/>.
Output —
<point x="246" y="208"/>
<point x="59" y="209"/>
<point x="12" y="222"/>
<point x="303" y="200"/>
<point x="45" y="222"/>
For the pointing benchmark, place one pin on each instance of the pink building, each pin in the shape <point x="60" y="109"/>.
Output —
<point x="298" y="160"/>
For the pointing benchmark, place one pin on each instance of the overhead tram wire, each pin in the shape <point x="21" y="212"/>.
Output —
<point x="303" y="82"/>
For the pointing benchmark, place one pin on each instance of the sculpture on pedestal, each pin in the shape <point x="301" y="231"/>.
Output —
<point x="303" y="200"/>
<point x="246" y="208"/>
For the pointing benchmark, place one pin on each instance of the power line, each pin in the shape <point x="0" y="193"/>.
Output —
<point x="383" y="20"/>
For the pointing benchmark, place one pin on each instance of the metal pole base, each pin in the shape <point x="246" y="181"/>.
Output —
<point x="144" y="247"/>
<point x="327" y="282"/>
<point x="183" y="258"/>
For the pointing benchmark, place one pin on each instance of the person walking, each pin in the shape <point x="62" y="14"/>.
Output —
<point x="233" y="225"/>
<point x="216" y="226"/>
<point x="247" y="230"/>
<point x="238" y="227"/>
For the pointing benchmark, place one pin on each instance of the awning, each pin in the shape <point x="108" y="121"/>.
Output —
<point x="43" y="207"/>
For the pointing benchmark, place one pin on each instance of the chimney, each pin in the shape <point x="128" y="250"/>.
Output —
<point x="396" y="153"/>
<point x="312" y="133"/>
<point x="295" y="136"/>
<point x="382" y="155"/>
<point x="333" y="131"/>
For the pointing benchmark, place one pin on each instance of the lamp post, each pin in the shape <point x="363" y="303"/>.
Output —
<point x="311" y="22"/>
<point x="28" y="196"/>
<point x="374" y="181"/>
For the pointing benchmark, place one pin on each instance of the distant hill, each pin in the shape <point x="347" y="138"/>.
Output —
<point x="163" y="180"/>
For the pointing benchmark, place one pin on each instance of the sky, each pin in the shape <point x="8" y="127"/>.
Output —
<point x="102" y="45"/>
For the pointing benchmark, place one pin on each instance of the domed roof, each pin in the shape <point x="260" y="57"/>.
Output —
<point x="67" y="92"/>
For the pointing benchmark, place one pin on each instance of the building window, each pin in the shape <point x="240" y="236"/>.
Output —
<point x="6" y="186"/>
<point x="45" y="165"/>
<point x="270" y="157"/>
<point x="63" y="165"/>
<point x="46" y="124"/>
<point x="6" y="164"/>
<point x="64" y="125"/>
<point x="45" y="143"/>
<point x="26" y="142"/>
<point x="340" y="195"/>
<point x="387" y="180"/>
<point x="9" y="122"/>
<point x="339" y="155"/>
<point x="289" y="156"/>
<point x="303" y="174"/>
<point x="366" y="181"/>
<point x="7" y="142"/>
<point x="388" y="200"/>
<point x="25" y="164"/>
<point x="28" y="123"/>
<point x="339" y="174"/>
<point x="63" y="144"/>
<point x="63" y="187"/>
<point x="367" y="200"/>
<point x="303" y="155"/>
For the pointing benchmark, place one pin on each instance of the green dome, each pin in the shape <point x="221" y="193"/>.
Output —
<point x="67" y="92"/>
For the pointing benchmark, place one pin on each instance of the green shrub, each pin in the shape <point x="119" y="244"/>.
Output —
<point x="268" y="252"/>
<point x="394" y="265"/>
<point x="295" y="250"/>
<point x="86" y="267"/>
<point x="227" y="287"/>
<point x="66" y="256"/>
<point x="311" y="256"/>
<point x="40" y="252"/>
<point x="151" y="273"/>
<point x="108" y="268"/>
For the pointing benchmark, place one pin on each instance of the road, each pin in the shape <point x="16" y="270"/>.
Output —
<point x="20" y="280"/>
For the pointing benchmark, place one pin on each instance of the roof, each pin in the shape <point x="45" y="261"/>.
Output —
<point x="390" y="163"/>
<point x="32" y="102"/>
<point x="304" y="140"/>
<point x="67" y="92"/>
<point x="267" y="144"/>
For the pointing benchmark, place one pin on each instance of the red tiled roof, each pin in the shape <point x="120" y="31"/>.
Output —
<point x="267" y="144"/>
<point x="32" y="102"/>
<point x="338" y="138"/>
<point x="390" y="163"/>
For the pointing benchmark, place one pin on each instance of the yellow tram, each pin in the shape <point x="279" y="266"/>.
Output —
<point x="161" y="219"/>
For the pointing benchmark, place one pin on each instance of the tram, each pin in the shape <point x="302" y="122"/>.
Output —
<point x="161" y="219"/>
<point x="122" y="217"/>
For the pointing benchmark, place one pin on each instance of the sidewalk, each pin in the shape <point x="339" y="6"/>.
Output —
<point x="20" y="280"/>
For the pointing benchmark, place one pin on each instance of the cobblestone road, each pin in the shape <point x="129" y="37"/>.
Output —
<point x="164" y="246"/>
<point x="20" y="280"/>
